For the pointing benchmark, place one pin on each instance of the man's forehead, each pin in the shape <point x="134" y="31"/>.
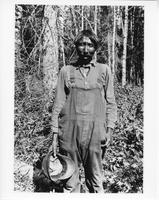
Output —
<point x="85" y="39"/>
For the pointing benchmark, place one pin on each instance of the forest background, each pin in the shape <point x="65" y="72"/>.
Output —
<point x="44" y="37"/>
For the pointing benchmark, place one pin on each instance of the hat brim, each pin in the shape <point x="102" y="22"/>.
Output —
<point x="69" y="167"/>
<point x="67" y="164"/>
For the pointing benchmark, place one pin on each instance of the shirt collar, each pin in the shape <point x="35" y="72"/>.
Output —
<point x="91" y="64"/>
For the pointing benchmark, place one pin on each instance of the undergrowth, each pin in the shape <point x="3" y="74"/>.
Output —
<point x="123" y="161"/>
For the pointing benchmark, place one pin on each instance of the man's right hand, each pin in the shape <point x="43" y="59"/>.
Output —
<point x="54" y="143"/>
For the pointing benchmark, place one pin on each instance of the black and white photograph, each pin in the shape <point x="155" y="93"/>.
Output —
<point x="79" y="98"/>
<point x="93" y="113"/>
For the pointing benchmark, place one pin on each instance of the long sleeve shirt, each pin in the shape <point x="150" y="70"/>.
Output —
<point x="85" y="77"/>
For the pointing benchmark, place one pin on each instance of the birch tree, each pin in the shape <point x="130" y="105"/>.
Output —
<point x="82" y="15"/>
<point x="131" y="73"/>
<point x="109" y="49"/>
<point x="113" y="45"/>
<point x="125" y="33"/>
<point x="50" y="48"/>
<point x="95" y="27"/>
<point x="61" y="18"/>
<point x="72" y="10"/>
<point x="18" y="30"/>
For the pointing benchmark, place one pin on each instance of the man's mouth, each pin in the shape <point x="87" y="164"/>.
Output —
<point x="86" y="56"/>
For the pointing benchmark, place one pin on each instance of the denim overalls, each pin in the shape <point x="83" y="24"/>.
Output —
<point x="81" y="128"/>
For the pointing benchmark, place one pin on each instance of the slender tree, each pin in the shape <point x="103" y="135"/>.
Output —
<point x="18" y="29"/>
<point x="131" y="71"/>
<point x="125" y="33"/>
<point x="109" y="49"/>
<point x="60" y="20"/>
<point x="95" y="26"/>
<point x="114" y="39"/>
<point x="74" y="20"/>
<point x="82" y="15"/>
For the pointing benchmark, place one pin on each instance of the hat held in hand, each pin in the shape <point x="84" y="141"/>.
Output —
<point x="57" y="168"/>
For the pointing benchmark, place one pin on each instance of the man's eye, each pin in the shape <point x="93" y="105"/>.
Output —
<point x="81" y="44"/>
<point x="91" y="45"/>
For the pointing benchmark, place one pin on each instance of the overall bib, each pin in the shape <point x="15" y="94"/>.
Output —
<point x="81" y="126"/>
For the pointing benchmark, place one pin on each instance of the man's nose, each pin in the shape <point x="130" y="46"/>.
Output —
<point x="86" y="48"/>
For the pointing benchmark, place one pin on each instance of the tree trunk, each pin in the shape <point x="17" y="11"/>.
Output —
<point x="118" y="16"/>
<point x="113" y="45"/>
<point x="132" y="67"/>
<point x="50" y="45"/>
<point x="18" y="37"/>
<point x="95" y="28"/>
<point x="125" y="33"/>
<point x="82" y="13"/>
<point x="74" y="19"/>
<point x="61" y="18"/>
<point x="109" y="49"/>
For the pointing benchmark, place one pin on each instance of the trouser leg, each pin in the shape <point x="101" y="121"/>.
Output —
<point x="72" y="185"/>
<point x="93" y="172"/>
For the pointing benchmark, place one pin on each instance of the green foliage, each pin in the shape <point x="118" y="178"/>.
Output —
<point x="123" y="164"/>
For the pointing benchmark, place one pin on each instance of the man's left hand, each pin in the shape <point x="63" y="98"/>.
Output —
<point x="109" y="136"/>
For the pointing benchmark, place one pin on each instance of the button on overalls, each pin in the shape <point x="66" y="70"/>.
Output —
<point x="81" y="125"/>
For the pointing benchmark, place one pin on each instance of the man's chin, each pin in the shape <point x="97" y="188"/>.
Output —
<point x="86" y="58"/>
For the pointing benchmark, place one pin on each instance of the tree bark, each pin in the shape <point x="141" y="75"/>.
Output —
<point x="109" y="49"/>
<point x="95" y="27"/>
<point x="18" y="37"/>
<point x="132" y="68"/>
<point x="82" y="13"/>
<point x="74" y="19"/>
<point x="61" y="19"/>
<point x="113" y="45"/>
<point x="125" y="33"/>
<point x="50" y="48"/>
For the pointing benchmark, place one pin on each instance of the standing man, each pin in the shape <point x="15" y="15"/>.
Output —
<point x="84" y="113"/>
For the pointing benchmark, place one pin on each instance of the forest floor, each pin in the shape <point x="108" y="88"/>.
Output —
<point x="123" y="161"/>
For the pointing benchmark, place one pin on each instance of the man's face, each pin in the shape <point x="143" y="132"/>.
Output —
<point x="85" y="49"/>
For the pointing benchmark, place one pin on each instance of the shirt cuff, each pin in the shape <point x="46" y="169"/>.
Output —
<point x="55" y="129"/>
